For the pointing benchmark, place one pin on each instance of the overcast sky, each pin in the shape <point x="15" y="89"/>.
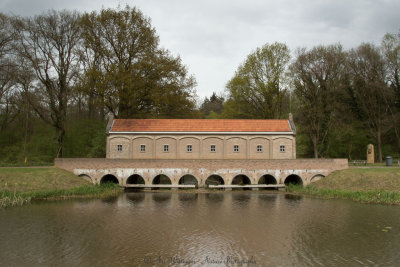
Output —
<point x="214" y="36"/>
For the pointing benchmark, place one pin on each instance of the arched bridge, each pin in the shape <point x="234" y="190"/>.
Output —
<point x="201" y="173"/>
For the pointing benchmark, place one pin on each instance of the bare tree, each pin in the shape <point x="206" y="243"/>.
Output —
<point x="48" y="43"/>
<point x="7" y="71"/>
<point x="366" y="67"/>
<point x="317" y="78"/>
<point x="391" y="50"/>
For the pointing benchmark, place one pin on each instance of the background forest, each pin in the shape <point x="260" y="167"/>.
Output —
<point x="63" y="73"/>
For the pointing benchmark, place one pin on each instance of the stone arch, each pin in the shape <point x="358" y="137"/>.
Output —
<point x="189" y="136"/>
<point x="293" y="179"/>
<point x="135" y="179"/>
<point x="161" y="179"/>
<point x="189" y="179"/>
<point x="217" y="137"/>
<point x="120" y="137"/>
<point x="267" y="179"/>
<point x="214" y="179"/>
<point x="142" y="136"/>
<point x="316" y="177"/>
<point x="241" y="179"/>
<point x="167" y="136"/>
<point x="282" y="137"/>
<point x="233" y="137"/>
<point x="86" y="177"/>
<point x="259" y="136"/>
<point x="109" y="178"/>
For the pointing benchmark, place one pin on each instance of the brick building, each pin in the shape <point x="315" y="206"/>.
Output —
<point x="201" y="139"/>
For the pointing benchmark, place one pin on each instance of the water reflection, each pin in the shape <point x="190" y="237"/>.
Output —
<point x="161" y="197"/>
<point x="267" y="197"/>
<point x="241" y="198"/>
<point x="214" y="197"/>
<point x="200" y="229"/>
<point x="110" y="200"/>
<point x="135" y="197"/>
<point x="293" y="197"/>
<point x="188" y="197"/>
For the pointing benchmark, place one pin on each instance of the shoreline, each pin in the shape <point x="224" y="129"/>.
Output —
<point x="19" y="186"/>
<point x="366" y="197"/>
<point x="374" y="185"/>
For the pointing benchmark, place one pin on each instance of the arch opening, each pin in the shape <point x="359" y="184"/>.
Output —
<point x="316" y="178"/>
<point x="86" y="177"/>
<point x="189" y="180"/>
<point x="267" y="179"/>
<point x="109" y="178"/>
<point x="161" y="179"/>
<point x="214" y="180"/>
<point x="135" y="179"/>
<point x="293" y="179"/>
<point x="241" y="180"/>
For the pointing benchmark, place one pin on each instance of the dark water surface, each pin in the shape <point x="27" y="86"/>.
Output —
<point x="200" y="229"/>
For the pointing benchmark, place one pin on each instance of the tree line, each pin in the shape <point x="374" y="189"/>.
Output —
<point x="341" y="99"/>
<point x="63" y="73"/>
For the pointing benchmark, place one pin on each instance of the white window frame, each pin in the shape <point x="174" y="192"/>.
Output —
<point x="259" y="148"/>
<point x="166" y="148"/>
<point x="189" y="148"/>
<point x="282" y="148"/>
<point x="236" y="148"/>
<point x="119" y="148"/>
<point x="142" y="148"/>
<point x="213" y="148"/>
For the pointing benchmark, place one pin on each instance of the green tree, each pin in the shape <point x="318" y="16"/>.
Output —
<point x="128" y="71"/>
<point x="259" y="86"/>
<point x="213" y="105"/>
<point x="318" y="75"/>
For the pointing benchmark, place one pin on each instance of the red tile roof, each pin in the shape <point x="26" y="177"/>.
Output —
<point x="199" y="125"/>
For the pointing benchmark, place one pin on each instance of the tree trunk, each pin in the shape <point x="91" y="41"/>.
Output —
<point x="379" y="140"/>
<point x="315" y="145"/>
<point x="60" y="141"/>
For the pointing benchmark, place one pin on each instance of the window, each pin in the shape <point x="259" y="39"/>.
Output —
<point x="119" y="147"/>
<point x="166" y="148"/>
<point x="212" y="148"/>
<point x="189" y="148"/>
<point x="282" y="148"/>
<point x="142" y="148"/>
<point x="259" y="148"/>
<point x="235" y="148"/>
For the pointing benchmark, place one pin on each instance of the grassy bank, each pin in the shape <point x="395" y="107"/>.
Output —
<point x="367" y="185"/>
<point x="21" y="185"/>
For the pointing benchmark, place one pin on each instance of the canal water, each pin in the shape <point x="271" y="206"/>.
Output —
<point x="249" y="228"/>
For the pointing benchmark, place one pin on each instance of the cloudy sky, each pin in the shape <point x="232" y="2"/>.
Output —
<point x="214" y="36"/>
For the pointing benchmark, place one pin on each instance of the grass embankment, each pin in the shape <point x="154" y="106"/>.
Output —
<point x="21" y="185"/>
<point x="367" y="185"/>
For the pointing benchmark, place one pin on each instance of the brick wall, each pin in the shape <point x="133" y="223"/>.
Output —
<point x="201" y="146"/>
<point x="101" y="163"/>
